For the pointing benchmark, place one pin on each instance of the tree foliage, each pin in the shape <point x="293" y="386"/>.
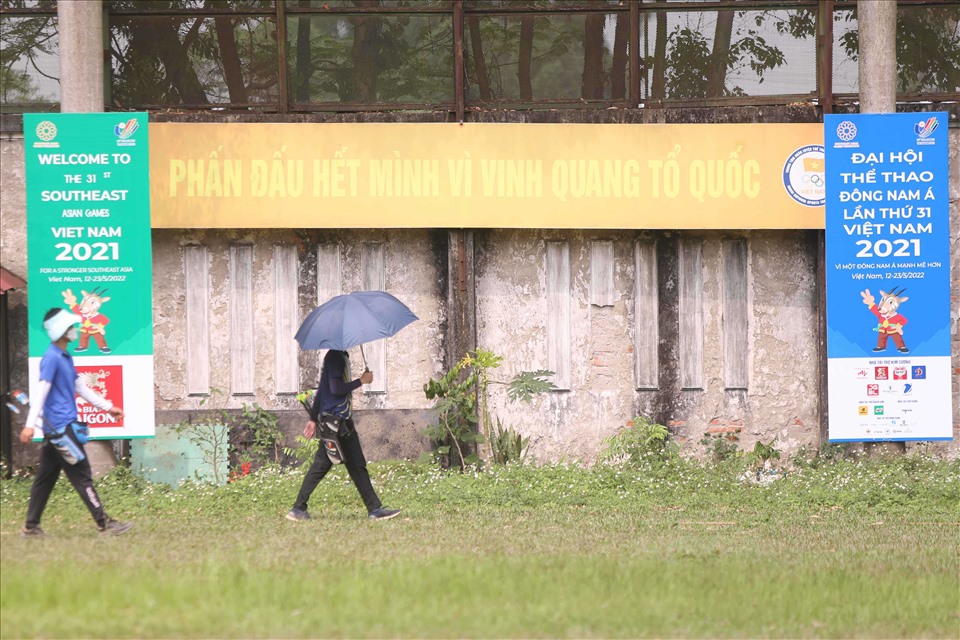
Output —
<point x="928" y="48"/>
<point x="24" y="41"/>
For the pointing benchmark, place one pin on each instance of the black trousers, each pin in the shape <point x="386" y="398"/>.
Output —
<point x="356" y="466"/>
<point x="80" y="477"/>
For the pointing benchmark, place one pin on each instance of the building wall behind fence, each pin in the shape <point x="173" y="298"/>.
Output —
<point x="697" y="380"/>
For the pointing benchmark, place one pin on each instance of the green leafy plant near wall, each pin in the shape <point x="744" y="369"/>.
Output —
<point x="642" y="441"/>
<point x="456" y="407"/>
<point x="721" y="446"/>
<point x="212" y="436"/>
<point x="507" y="445"/>
<point x="266" y="438"/>
<point x="762" y="456"/>
<point x="212" y="433"/>
<point x="462" y="405"/>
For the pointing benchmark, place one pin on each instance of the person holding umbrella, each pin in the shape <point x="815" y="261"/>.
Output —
<point x="340" y="323"/>
<point x="332" y="403"/>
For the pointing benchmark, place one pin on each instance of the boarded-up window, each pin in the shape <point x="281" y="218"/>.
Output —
<point x="691" y="313"/>
<point x="285" y="319"/>
<point x="601" y="273"/>
<point x="558" y="312"/>
<point x="646" y="312"/>
<point x="242" y="339"/>
<point x="196" y="284"/>
<point x="373" y="274"/>
<point x="329" y="278"/>
<point x="736" y="373"/>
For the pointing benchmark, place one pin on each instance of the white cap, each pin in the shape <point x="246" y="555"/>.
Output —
<point x="58" y="324"/>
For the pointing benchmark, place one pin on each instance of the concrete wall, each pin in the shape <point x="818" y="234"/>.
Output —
<point x="780" y="400"/>
<point x="391" y="422"/>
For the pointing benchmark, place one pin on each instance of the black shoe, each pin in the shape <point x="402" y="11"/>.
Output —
<point x="383" y="514"/>
<point x="297" y="515"/>
<point x="903" y="350"/>
<point x="79" y="349"/>
<point x="114" y="528"/>
<point x="32" y="532"/>
<point x="879" y="349"/>
<point x="106" y="350"/>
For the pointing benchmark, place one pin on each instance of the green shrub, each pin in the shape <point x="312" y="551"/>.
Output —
<point x="721" y="446"/>
<point x="462" y="405"/>
<point x="642" y="441"/>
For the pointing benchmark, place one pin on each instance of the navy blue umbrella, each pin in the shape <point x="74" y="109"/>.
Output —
<point x="354" y="318"/>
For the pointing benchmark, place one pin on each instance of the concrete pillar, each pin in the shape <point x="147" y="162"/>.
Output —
<point x="80" y="27"/>
<point x="877" y="66"/>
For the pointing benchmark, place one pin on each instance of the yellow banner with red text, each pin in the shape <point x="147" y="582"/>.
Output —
<point x="563" y="176"/>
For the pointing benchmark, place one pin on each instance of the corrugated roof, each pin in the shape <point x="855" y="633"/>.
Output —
<point x="10" y="281"/>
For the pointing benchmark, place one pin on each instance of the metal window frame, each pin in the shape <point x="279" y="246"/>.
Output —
<point x="459" y="10"/>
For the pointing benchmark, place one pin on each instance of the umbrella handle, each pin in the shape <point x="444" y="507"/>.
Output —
<point x="365" y="367"/>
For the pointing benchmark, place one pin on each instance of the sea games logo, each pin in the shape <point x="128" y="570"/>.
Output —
<point x="106" y="381"/>
<point x="803" y="176"/>
<point x="924" y="129"/>
<point x="124" y="132"/>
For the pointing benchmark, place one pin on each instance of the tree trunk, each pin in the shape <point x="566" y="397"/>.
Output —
<point x="877" y="66"/>
<point x="592" y="81"/>
<point x="526" y="54"/>
<point x="720" y="57"/>
<point x="659" y="88"/>
<point x="618" y="80"/>
<point x="230" y="57"/>
<point x="303" y="67"/>
<point x="877" y="69"/>
<point x="479" y="63"/>
<point x="366" y="43"/>
<point x="160" y="38"/>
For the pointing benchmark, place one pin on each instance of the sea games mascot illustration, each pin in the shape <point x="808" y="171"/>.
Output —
<point x="94" y="322"/>
<point x="890" y="321"/>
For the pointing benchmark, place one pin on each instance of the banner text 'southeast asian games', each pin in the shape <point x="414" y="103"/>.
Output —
<point x="89" y="250"/>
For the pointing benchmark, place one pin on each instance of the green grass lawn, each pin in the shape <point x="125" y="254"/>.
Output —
<point x="853" y="550"/>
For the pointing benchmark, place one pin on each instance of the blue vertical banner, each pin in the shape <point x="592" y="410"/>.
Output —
<point x="888" y="277"/>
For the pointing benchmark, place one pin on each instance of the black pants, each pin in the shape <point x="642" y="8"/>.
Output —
<point x="80" y="477"/>
<point x="356" y="466"/>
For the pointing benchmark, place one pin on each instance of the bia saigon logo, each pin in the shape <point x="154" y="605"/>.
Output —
<point x="803" y="176"/>
<point x="46" y="131"/>
<point x="108" y="382"/>
<point x="124" y="131"/>
<point x="925" y="128"/>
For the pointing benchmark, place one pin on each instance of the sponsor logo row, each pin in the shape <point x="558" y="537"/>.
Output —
<point x="893" y="373"/>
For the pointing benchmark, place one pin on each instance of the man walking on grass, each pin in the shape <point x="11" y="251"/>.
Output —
<point x="332" y="404"/>
<point x="54" y="402"/>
